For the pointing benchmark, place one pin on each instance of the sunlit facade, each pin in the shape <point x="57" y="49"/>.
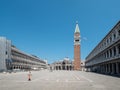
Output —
<point x="65" y="64"/>
<point x="12" y="58"/>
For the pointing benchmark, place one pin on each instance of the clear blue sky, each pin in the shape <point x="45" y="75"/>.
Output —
<point x="46" y="27"/>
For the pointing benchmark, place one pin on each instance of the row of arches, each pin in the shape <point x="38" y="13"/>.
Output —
<point x="21" y="67"/>
<point x="63" y="67"/>
<point x="106" y="68"/>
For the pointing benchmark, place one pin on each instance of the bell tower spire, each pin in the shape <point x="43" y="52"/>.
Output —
<point x="77" y="30"/>
<point x="77" y="58"/>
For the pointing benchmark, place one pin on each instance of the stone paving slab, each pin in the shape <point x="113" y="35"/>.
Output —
<point x="58" y="80"/>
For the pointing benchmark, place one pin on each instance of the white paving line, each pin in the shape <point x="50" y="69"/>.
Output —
<point x="76" y="77"/>
<point x="86" y="78"/>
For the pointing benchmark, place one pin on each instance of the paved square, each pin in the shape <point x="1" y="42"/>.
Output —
<point x="58" y="80"/>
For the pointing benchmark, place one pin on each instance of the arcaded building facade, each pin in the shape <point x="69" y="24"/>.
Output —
<point x="65" y="64"/>
<point x="105" y="57"/>
<point x="12" y="58"/>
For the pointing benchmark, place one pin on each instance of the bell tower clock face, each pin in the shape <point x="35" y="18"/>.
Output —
<point x="77" y="39"/>
<point x="77" y="35"/>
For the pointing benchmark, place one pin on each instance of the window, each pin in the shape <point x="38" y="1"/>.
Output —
<point x="114" y="35"/>
<point x="6" y="52"/>
<point x="107" y="41"/>
<point x="119" y="32"/>
<point x="104" y="43"/>
<point x="114" y="49"/>
<point x="77" y="40"/>
<point x="110" y="39"/>
<point x="119" y="48"/>
<point x="110" y="52"/>
<point x="107" y="54"/>
<point x="104" y="55"/>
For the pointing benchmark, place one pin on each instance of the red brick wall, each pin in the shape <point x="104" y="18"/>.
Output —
<point x="77" y="61"/>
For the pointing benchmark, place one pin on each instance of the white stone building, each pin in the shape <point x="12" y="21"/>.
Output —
<point x="105" y="57"/>
<point x="12" y="58"/>
<point x="65" y="64"/>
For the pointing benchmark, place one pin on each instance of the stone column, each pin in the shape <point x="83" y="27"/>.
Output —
<point x="54" y="68"/>
<point x="112" y="52"/>
<point x="106" y="55"/>
<point x="58" y="67"/>
<point x="12" y="67"/>
<point x="109" y="67"/>
<point x="65" y="67"/>
<point x="109" y="53"/>
<point x="100" y="68"/>
<point x="68" y="67"/>
<point x="117" y="34"/>
<point x="106" y="69"/>
<point x="113" y="71"/>
<point x="103" y="68"/>
<point x="116" y="51"/>
<point x="117" y="68"/>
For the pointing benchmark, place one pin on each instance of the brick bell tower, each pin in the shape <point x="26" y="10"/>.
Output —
<point x="77" y="58"/>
